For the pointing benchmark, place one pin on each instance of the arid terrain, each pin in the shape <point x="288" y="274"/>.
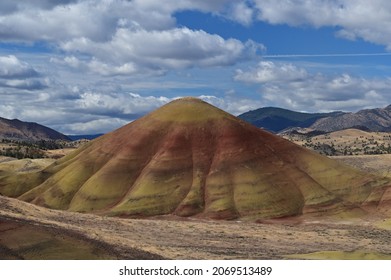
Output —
<point x="344" y="142"/>
<point x="191" y="159"/>
<point x="56" y="234"/>
<point x="377" y="164"/>
<point x="98" y="237"/>
<point x="190" y="181"/>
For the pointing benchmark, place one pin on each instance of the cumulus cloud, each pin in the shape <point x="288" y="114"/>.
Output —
<point x="95" y="126"/>
<point x="312" y="97"/>
<point x="119" y="37"/>
<point x="169" y="49"/>
<point x="289" y="86"/>
<point x="355" y="19"/>
<point x="91" y="112"/>
<point x="104" y="49"/>
<point x="23" y="84"/>
<point x="131" y="105"/>
<point x="7" y="7"/>
<point x="232" y="104"/>
<point x="12" y="68"/>
<point x="99" y="112"/>
<point x="99" y="21"/>
<point x="105" y="69"/>
<point x="93" y="19"/>
<point x="127" y="105"/>
<point x="268" y="71"/>
<point x="241" y="12"/>
<point x="18" y="74"/>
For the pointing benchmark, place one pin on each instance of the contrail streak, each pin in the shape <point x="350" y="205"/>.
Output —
<point x="325" y="55"/>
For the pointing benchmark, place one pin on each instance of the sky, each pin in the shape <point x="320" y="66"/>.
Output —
<point x="91" y="66"/>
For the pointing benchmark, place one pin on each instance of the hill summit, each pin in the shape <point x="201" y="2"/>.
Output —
<point x="189" y="158"/>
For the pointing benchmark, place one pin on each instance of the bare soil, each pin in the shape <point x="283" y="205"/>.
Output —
<point x="171" y="238"/>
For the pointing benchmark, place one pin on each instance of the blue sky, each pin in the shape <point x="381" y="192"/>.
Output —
<point x="90" y="66"/>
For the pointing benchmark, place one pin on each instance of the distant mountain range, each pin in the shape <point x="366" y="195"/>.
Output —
<point x="277" y="119"/>
<point x="28" y="131"/>
<point x="84" y="136"/>
<point x="270" y="118"/>
<point x="376" y="120"/>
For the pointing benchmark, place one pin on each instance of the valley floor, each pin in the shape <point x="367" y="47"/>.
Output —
<point x="115" y="238"/>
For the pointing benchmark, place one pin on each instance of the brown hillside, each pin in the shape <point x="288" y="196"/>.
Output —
<point x="343" y="142"/>
<point x="28" y="131"/>
<point x="189" y="158"/>
<point x="378" y="119"/>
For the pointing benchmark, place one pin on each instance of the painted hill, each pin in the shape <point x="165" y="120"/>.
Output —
<point x="375" y="120"/>
<point x="27" y="131"/>
<point x="278" y="119"/>
<point x="189" y="158"/>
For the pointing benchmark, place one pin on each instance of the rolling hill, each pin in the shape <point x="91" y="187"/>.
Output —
<point x="27" y="131"/>
<point x="189" y="158"/>
<point x="375" y="120"/>
<point x="277" y="119"/>
<point x="343" y="142"/>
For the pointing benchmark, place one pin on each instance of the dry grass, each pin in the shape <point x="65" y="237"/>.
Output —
<point x="345" y="142"/>
<point x="58" y="153"/>
<point x="204" y="239"/>
<point x="8" y="164"/>
<point x="377" y="164"/>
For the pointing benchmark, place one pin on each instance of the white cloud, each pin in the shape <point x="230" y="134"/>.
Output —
<point x="301" y="12"/>
<point x="96" y="126"/>
<point x="23" y="84"/>
<point x="96" y="20"/>
<point x="101" y="20"/>
<point x="11" y="67"/>
<point x="355" y="18"/>
<point x="7" y="111"/>
<point x="105" y="69"/>
<point x="242" y="13"/>
<point x="72" y="61"/>
<point x="104" y="49"/>
<point x="289" y="86"/>
<point x="127" y="105"/>
<point x="8" y="7"/>
<point x="268" y="71"/>
<point x="96" y="112"/>
<point x="119" y="37"/>
<point x="18" y="74"/>
<point x="93" y="19"/>
<point x="169" y="49"/>
<point x="232" y="104"/>
<point x="132" y="105"/>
